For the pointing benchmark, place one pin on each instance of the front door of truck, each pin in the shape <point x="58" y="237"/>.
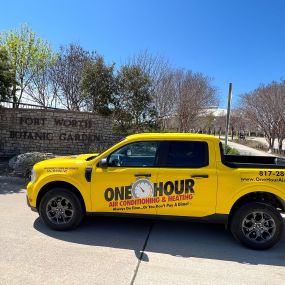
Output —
<point x="125" y="183"/>
<point x="187" y="179"/>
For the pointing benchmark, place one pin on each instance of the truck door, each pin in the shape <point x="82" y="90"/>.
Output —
<point x="187" y="179"/>
<point x="125" y="184"/>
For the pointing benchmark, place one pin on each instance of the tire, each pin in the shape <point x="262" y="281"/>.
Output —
<point x="60" y="209"/>
<point x="257" y="225"/>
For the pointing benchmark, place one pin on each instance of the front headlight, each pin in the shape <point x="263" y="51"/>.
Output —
<point x="33" y="175"/>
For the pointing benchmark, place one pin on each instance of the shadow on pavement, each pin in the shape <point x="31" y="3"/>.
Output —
<point x="175" y="238"/>
<point x="10" y="185"/>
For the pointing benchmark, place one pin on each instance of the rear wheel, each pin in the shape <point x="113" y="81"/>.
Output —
<point x="257" y="225"/>
<point x="60" y="209"/>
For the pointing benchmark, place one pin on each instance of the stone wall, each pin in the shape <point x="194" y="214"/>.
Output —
<point x="55" y="131"/>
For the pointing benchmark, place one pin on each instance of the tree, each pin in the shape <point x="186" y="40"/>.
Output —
<point x="175" y="93"/>
<point x="165" y="99"/>
<point x="6" y="75"/>
<point x="134" y="111"/>
<point x="162" y="84"/>
<point x="40" y="89"/>
<point x="265" y="107"/>
<point x="279" y="94"/>
<point x="67" y="74"/>
<point x="27" y="54"/>
<point x="98" y="85"/>
<point x="241" y="124"/>
<point x="194" y="93"/>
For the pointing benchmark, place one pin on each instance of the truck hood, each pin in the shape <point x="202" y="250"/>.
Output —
<point x="86" y="157"/>
<point x="66" y="160"/>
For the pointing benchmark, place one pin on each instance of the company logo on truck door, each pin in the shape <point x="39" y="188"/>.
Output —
<point x="142" y="188"/>
<point x="152" y="192"/>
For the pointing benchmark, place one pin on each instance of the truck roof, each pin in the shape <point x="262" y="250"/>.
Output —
<point x="172" y="136"/>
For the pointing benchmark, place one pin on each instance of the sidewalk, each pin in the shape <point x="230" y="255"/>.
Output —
<point x="246" y="150"/>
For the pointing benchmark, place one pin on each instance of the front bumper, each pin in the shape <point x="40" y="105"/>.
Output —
<point x="34" y="209"/>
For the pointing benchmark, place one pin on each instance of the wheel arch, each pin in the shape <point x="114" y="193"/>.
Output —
<point x="258" y="196"/>
<point x="59" y="184"/>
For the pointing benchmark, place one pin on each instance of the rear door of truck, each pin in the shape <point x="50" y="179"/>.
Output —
<point x="187" y="179"/>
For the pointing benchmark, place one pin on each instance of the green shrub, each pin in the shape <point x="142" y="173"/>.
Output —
<point x="230" y="150"/>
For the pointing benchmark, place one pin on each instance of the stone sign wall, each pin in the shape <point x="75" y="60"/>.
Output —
<point x="56" y="131"/>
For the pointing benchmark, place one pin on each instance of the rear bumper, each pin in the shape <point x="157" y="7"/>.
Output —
<point x="34" y="209"/>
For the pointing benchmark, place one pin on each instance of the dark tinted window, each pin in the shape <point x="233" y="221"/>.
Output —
<point x="187" y="154"/>
<point x="139" y="154"/>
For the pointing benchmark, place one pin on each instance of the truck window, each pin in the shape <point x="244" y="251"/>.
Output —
<point x="138" y="154"/>
<point x="187" y="154"/>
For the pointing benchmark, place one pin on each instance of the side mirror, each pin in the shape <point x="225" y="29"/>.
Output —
<point x="103" y="163"/>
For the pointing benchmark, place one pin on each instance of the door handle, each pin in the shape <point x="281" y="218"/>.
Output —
<point x="200" y="176"/>
<point x="143" y="174"/>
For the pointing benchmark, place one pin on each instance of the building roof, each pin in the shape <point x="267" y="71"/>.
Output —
<point x="216" y="112"/>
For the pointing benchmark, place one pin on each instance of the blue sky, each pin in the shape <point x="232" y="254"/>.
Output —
<point x="238" y="41"/>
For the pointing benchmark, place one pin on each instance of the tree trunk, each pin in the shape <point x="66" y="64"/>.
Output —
<point x="280" y="143"/>
<point x="271" y="143"/>
<point x="14" y="96"/>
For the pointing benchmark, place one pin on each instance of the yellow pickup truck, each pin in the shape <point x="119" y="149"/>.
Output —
<point x="185" y="176"/>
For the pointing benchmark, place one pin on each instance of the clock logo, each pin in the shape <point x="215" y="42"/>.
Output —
<point x="142" y="188"/>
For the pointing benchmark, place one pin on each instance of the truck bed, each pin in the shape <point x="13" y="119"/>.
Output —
<point x="247" y="161"/>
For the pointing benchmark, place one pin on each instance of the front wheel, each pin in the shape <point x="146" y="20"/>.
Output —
<point x="60" y="209"/>
<point x="257" y="225"/>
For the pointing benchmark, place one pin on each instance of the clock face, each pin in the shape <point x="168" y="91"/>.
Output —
<point x="142" y="188"/>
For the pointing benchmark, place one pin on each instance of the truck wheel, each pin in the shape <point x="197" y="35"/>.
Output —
<point x="60" y="209"/>
<point x="257" y="225"/>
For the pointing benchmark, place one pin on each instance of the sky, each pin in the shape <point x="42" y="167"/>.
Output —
<point x="239" y="41"/>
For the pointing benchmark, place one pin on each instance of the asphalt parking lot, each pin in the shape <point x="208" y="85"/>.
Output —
<point x="124" y="251"/>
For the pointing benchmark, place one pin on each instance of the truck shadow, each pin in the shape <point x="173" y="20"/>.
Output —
<point x="175" y="238"/>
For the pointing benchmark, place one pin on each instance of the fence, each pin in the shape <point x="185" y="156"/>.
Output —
<point x="9" y="105"/>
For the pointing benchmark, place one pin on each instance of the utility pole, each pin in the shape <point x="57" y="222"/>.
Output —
<point x="228" y="113"/>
